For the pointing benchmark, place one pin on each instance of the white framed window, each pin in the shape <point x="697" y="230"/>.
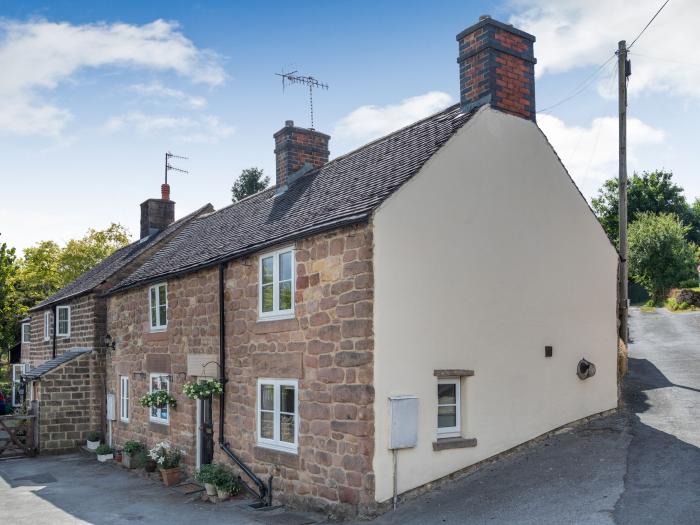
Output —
<point x="448" y="405"/>
<point x="276" y="284"/>
<point x="124" y="398"/>
<point x="47" y="325"/>
<point x="278" y="414"/>
<point x="158" y="306"/>
<point x="63" y="321"/>
<point x="160" y="414"/>
<point x="26" y="332"/>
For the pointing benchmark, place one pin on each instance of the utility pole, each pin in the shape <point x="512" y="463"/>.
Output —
<point x="623" y="73"/>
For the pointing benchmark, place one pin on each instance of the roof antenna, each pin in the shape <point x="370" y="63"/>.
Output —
<point x="168" y="167"/>
<point x="293" y="78"/>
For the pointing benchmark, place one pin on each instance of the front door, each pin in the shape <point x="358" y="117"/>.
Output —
<point x="206" y="433"/>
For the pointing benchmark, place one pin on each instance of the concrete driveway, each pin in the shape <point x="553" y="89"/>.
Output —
<point x="641" y="466"/>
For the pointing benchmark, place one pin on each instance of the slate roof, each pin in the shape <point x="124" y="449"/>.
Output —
<point x="115" y="262"/>
<point x="46" y="367"/>
<point x="343" y="191"/>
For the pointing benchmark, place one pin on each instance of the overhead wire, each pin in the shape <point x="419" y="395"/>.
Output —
<point x="648" y="24"/>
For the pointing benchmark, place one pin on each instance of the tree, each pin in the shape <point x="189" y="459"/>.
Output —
<point x="660" y="257"/>
<point x="653" y="192"/>
<point x="46" y="267"/>
<point x="249" y="182"/>
<point x="11" y="309"/>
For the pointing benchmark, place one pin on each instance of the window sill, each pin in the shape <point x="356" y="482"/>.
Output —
<point x="453" y="442"/>
<point x="277" y="317"/>
<point x="158" y="330"/>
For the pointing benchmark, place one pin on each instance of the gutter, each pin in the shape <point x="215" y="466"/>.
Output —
<point x="264" y="492"/>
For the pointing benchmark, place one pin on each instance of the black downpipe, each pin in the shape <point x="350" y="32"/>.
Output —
<point x="264" y="493"/>
<point x="53" y="351"/>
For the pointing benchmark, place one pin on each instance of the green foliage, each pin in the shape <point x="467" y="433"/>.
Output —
<point x="158" y="398"/>
<point x="93" y="435"/>
<point x="207" y="473"/>
<point x="104" y="449"/>
<point x="79" y="255"/>
<point x="11" y="307"/>
<point x="226" y="480"/>
<point x="165" y="455"/>
<point x="248" y="183"/>
<point x="132" y="447"/>
<point x="659" y="255"/>
<point x="202" y="389"/>
<point x="653" y="192"/>
<point x="673" y="305"/>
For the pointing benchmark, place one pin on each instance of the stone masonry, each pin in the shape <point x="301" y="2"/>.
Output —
<point x="328" y="347"/>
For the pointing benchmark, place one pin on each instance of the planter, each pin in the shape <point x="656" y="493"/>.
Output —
<point x="222" y="494"/>
<point x="104" y="457"/>
<point x="118" y="456"/>
<point x="92" y="445"/>
<point x="128" y="460"/>
<point x="150" y="466"/>
<point x="171" y="476"/>
<point x="210" y="488"/>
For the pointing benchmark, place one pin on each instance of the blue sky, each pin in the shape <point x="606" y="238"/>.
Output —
<point x="93" y="93"/>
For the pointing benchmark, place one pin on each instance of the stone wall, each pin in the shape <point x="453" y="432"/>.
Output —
<point x="70" y="400"/>
<point x="328" y="347"/>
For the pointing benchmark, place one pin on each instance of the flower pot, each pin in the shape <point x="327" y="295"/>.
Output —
<point x="150" y="465"/>
<point x="104" y="457"/>
<point x="171" y="476"/>
<point x="92" y="445"/>
<point x="128" y="460"/>
<point x="118" y="456"/>
<point x="210" y="488"/>
<point x="222" y="494"/>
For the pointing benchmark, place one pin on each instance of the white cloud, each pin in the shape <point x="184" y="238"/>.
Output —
<point x="576" y="33"/>
<point x="38" y="55"/>
<point x="590" y="153"/>
<point x="205" y="128"/>
<point x="369" y="122"/>
<point x="158" y="90"/>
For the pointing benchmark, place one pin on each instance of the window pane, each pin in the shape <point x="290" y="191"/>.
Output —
<point x="447" y="394"/>
<point x="162" y="296"/>
<point x="447" y="417"/>
<point x="267" y="271"/>
<point x="267" y="296"/>
<point x="267" y="425"/>
<point x="267" y="397"/>
<point x="285" y="266"/>
<point x="163" y="315"/>
<point x="287" y="428"/>
<point x="287" y="399"/>
<point x="286" y="295"/>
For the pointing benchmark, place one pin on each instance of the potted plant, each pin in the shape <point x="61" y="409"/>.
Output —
<point x="226" y="484"/>
<point x="168" y="460"/>
<point x="104" y="453"/>
<point x="158" y="399"/>
<point x="93" y="440"/>
<point x="207" y="475"/>
<point x="118" y="455"/>
<point x="131" y="449"/>
<point x="202" y="389"/>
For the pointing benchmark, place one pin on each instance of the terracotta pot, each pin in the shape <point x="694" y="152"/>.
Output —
<point x="150" y="465"/>
<point x="210" y="488"/>
<point x="170" y="476"/>
<point x="118" y="456"/>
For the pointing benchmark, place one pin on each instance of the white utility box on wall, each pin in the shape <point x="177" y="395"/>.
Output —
<point x="111" y="412"/>
<point x="404" y="422"/>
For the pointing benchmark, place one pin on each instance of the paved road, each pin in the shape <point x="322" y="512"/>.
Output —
<point x="641" y="466"/>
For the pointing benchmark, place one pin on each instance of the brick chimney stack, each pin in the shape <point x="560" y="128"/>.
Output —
<point x="157" y="214"/>
<point x="497" y="67"/>
<point x="297" y="151"/>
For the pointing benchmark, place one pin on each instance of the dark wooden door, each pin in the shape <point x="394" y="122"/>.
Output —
<point x="207" y="433"/>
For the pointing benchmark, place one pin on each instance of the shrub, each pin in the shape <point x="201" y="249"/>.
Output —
<point x="93" y="435"/>
<point x="104" y="449"/>
<point x="132" y="447"/>
<point x="207" y="474"/>
<point x="226" y="480"/>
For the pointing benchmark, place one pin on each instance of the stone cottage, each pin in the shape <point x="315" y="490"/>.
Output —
<point x="63" y="342"/>
<point x="356" y="312"/>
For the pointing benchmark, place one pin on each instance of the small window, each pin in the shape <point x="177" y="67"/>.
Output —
<point x="278" y="417"/>
<point x="26" y="332"/>
<point x="276" y="288"/>
<point x="63" y="321"/>
<point x="160" y="414"/>
<point x="448" y="416"/>
<point x="124" y="398"/>
<point x="158" y="302"/>
<point x="47" y="325"/>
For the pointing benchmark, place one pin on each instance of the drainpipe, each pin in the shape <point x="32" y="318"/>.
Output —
<point x="264" y="491"/>
<point x="53" y="311"/>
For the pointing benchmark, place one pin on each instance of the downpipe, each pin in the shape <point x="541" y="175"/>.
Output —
<point x="264" y="492"/>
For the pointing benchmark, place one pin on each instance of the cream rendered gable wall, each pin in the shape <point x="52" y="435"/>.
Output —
<point x="487" y="255"/>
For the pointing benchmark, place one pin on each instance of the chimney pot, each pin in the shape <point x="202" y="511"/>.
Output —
<point x="497" y="67"/>
<point x="165" y="192"/>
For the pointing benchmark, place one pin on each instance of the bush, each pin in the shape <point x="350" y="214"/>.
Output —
<point x="132" y="447"/>
<point x="93" y="435"/>
<point x="207" y="474"/>
<point x="104" y="449"/>
<point x="226" y="480"/>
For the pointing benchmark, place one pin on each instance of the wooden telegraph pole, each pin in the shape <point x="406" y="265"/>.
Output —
<point x="623" y="73"/>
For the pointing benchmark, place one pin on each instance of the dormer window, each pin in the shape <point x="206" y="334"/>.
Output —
<point x="276" y="285"/>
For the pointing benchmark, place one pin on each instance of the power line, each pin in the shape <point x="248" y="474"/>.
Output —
<point x="648" y="24"/>
<point x="669" y="60"/>
<point x="581" y="87"/>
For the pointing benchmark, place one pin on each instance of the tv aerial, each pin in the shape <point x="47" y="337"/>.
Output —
<point x="311" y="82"/>
<point x="168" y="167"/>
